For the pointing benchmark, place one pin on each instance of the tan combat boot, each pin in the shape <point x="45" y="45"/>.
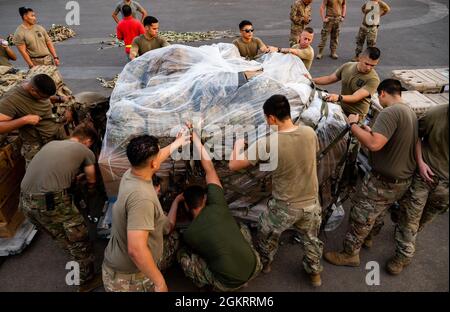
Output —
<point x="342" y="258"/>
<point x="334" y="55"/>
<point x="396" y="265"/>
<point x="320" y="54"/>
<point x="316" y="280"/>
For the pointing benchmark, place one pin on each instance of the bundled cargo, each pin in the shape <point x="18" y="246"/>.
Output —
<point x="161" y="90"/>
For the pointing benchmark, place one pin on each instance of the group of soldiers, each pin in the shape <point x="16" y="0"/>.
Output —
<point x="409" y="160"/>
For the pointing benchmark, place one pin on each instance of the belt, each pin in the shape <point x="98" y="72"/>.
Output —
<point x="38" y="196"/>
<point x="40" y="57"/>
<point x="371" y="26"/>
<point x="124" y="276"/>
<point x="388" y="179"/>
<point x="128" y="46"/>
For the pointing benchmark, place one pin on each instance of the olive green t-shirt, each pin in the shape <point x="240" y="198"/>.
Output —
<point x="137" y="208"/>
<point x="249" y="50"/>
<point x="215" y="236"/>
<point x="352" y="80"/>
<point x="17" y="103"/>
<point x="398" y="123"/>
<point x="4" y="58"/>
<point x="334" y="8"/>
<point x="306" y="55"/>
<point x="55" y="166"/>
<point x="295" y="178"/>
<point x="135" y="7"/>
<point x="142" y="45"/>
<point x="35" y="40"/>
<point x="433" y="129"/>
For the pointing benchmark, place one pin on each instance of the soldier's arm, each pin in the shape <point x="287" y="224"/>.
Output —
<point x="134" y="51"/>
<point x="322" y="10"/>
<point x="238" y="160"/>
<point x="372" y="140"/>
<point x="182" y="140"/>
<point x="23" y="51"/>
<point x="143" y="12"/>
<point x="140" y="253"/>
<point x="11" y="55"/>
<point x="424" y="170"/>
<point x="89" y="171"/>
<point x="8" y="124"/>
<point x="208" y="166"/>
<point x="172" y="215"/>
<point x="326" y="80"/>
<point x="355" y="97"/>
<point x="115" y="15"/>
<point x="385" y="9"/>
<point x="344" y="9"/>
<point x="52" y="50"/>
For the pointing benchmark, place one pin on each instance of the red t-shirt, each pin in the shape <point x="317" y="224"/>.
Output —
<point x="128" y="29"/>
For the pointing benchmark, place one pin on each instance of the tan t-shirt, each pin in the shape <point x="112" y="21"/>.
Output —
<point x="372" y="11"/>
<point x="249" y="50"/>
<point x="306" y="55"/>
<point x="334" y="7"/>
<point x="35" y="40"/>
<point x="4" y="58"/>
<point x="433" y="129"/>
<point x="137" y="208"/>
<point x="17" y="103"/>
<point x="142" y="45"/>
<point x="352" y="81"/>
<point x="398" y="123"/>
<point x="295" y="178"/>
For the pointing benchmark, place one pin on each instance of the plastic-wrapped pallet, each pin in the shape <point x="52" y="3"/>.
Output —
<point x="157" y="92"/>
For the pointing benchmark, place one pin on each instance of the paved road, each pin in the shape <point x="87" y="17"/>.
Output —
<point x="414" y="35"/>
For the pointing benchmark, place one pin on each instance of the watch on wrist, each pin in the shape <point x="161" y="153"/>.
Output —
<point x="352" y="123"/>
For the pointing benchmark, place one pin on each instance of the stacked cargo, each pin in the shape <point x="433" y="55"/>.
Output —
<point x="12" y="170"/>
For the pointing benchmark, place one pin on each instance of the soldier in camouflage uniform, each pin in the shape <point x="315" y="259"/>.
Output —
<point x="428" y="195"/>
<point x="28" y="108"/>
<point x="300" y="17"/>
<point x="372" y="11"/>
<point x="333" y="14"/>
<point x="391" y="143"/>
<point x="47" y="199"/>
<point x="295" y="187"/>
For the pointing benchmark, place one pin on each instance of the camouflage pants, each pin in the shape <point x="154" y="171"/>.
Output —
<point x="197" y="269"/>
<point x="331" y="27"/>
<point x="29" y="150"/>
<point x="66" y="225"/>
<point x="296" y="31"/>
<point x="279" y="218"/>
<point x="421" y="204"/>
<point x="369" y="33"/>
<point x="370" y="206"/>
<point x="118" y="282"/>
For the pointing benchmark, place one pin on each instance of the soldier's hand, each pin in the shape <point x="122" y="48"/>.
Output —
<point x="425" y="172"/>
<point x="332" y="98"/>
<point x="353" y="118"/>
<point x="326" y="20"/>
<point x="57" y="62"/>
<point x="31" y="119"/>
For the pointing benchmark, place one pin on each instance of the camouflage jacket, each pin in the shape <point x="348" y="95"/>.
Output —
<point x="300" y="13"/>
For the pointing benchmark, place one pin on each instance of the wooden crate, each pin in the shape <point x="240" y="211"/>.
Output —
<point x="439" y="98"/>
<point x="15" y="217"/>
<point x="418" y="102"/>
<point x="424" y="80"/>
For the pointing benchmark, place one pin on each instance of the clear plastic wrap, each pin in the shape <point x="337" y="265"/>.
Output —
<point x="162" y="89"/>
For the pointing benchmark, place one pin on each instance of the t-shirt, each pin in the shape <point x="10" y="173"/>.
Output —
<point x="4" y="57"/>
<point x="135" y="7"/>
<point x="128" y="29"/>
<point x="306" y="55"/>
<point x="300" y="12"/>
<point x="137" y="208"/>
<point x="142" y="45"/>
<point x="215" y="236"/>
<point x="398" y="123"/>
<point x="249" y="50"/>
<point x="372" y="11"/>
<point x="35" y="40"/>
<point x="433" y="128"/>
<point x="352" y="80"/>
<point x="55" y="166"/>
<point x="334" y="7"/>
<point x="17" y="103"/>
<point x="295" y="178"/>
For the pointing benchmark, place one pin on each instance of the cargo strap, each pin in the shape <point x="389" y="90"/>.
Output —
<point x="325" y="151"/>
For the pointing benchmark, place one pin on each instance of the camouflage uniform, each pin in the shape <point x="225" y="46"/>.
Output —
<point x="300" y="17"/>
<point x="65" y="224"/>
<point x="197" y="269"/>
<point x="421" y="204"/>
<point x="29" y="150"/>
<point x="370" y="206"/>
<point x="279" y="218"/>
<point x="366" y="32"/>
<point x="332" y="27"/>
<point x="138" y="282"/>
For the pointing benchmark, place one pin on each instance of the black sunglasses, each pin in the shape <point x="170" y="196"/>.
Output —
<point x="248" y="30"/>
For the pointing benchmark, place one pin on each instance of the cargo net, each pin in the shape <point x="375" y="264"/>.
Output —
<point x="159" y="91"/>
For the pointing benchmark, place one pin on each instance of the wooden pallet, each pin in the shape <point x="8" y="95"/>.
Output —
<point x="424" y="80"/>
<point x="439" y="98"/>
<point x="419" y="102"/>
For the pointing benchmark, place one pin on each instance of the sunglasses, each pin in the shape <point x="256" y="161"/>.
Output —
<point x="248" y="30"/>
